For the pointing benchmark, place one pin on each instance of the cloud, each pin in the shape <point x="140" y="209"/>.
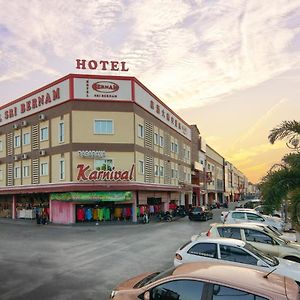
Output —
<point x="188" y="53"/>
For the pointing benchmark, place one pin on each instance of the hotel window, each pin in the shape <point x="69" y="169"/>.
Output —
<point x="26" y="138"/>
<point x="1" y="146"/>
<point x="188" y="154"/>
<point x="141" y="131"/>
<point x="172" y="147"/>
<point x="175" y="148"/>
<point x="208" y="167"/>
<point x="103" y="127"/>
<point x="156" y="170"/>
<point x="25" y="171"/>
<point x="173" y="173"/>
<point x="156" y="139"/>
<point x="17" y="141"/>
<point x="44" y="134"/>
<point x="161" y="171"/>
<point x="17" y="172"/>
<point x="61" y="169"/>
<point x="103" y="164"/>
<point x="1" y="175"/>
<point x="141" y="167"/>
<point x="61" y="132"/>
<point x="44" y="169"/>
<point x="161" y="141"/>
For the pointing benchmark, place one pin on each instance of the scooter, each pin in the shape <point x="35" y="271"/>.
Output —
<point x="165" y="216"/>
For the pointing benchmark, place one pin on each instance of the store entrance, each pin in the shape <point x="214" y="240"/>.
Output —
<point x="103" y="212"/>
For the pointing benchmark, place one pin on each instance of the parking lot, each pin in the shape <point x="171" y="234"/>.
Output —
<point x="84" y="261"/>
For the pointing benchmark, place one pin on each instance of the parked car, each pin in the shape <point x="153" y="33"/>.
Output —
<point x="266" y="210"/>
<point x="232" y="251"/>
<point x="259" y="238"/>
<point x="252" y="203"/>
<point x="241" y="216"/>
<point x="207" y="281"/>
<point x="200" y="214"/>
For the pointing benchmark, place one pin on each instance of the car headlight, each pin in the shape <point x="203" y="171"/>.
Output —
<point x="113" y="294"/>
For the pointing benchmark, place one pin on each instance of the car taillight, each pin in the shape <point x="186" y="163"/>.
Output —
<point x="178" y="256"/>
<point x="208" y="233"/>
<point x="225" y="218"/>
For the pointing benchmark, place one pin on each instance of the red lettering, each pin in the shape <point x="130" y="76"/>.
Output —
<point x="81" y="172"/>
<point x="55" y="94"/>
<point x="41" y="100"/>
<point x="125" y="175"/>
<point x="28" y="105"/>
<point x="114" y="66"/>
<point x="123" y="66"/>
<point x="48" y="99"/>
<point x="22" y="107"/>
<point x="80" y="64"/>
<point x="104" y="64"/>
<point x="92" y="64"/>
<point x="34" y="103"/>
<point x="106" y="175"/>
<point x="118" y="175"/>
<point x="93" y="175"/>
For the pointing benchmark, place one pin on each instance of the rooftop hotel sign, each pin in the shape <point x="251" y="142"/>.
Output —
<point x="102" y="65"/>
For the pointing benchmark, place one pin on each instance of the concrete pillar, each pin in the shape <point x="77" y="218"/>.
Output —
<point x="134" y="207"/>
<point x="50" y="211"/>
<point x="14" y="207"/>
<point x="205" y="199"/>
<point x="181" y="201"/>
<point x="216" y="197"/>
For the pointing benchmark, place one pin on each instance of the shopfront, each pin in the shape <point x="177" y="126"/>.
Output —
<point x="86" y="207"/>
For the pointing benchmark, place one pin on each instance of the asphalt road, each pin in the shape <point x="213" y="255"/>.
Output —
<point x="84" y="262"/>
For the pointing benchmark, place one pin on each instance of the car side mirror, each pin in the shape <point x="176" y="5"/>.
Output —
<point x="145" y="296"/>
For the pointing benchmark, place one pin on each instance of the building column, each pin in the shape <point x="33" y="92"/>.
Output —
<point x="134" y="208"/>
<point x="50" y="211"/>
<point x="216" y="197"/>
<point x="205" y="199"/>
<point x="14" y="207"/>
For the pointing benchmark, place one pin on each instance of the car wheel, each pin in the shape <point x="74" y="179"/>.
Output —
<point x="206" y="218"/>
<point x="293" y="258"/>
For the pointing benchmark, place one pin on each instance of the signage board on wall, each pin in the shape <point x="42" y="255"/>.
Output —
<point x="102" y="89"/>
<point x="92" y="196"/>
<point x="92" y="153"/>
<point x="85" y="173"/>
<point x="42" y="100"/>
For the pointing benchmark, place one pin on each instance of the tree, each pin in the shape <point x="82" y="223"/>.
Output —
<point x="282" y="182"/>
<point x="287" y="129"/>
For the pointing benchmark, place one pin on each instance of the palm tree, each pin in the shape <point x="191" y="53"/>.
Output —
<point x="287" y="129"/>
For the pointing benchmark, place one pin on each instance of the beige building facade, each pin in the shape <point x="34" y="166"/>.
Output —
<point x="92" y="148"/>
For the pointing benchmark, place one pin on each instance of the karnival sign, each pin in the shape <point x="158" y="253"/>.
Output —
<point x="85" y="173"/>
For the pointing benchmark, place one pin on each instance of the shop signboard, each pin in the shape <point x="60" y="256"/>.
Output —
<point x="117" y="196"/>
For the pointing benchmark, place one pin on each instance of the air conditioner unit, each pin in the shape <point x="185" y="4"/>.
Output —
<point x="42" y="152"/>
<point x="24" y="123"/>
<point x="42" y="117"/>
<point x="15" y="126"/>
<point x="24" y="156"/>
<point x="16" y="157"/>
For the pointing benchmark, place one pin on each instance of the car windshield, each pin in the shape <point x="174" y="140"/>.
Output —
<point x="268" y="259"/>
<point x="275" y="237"/>
<point x="274" y="230"/>
<point x="153" y="277"/>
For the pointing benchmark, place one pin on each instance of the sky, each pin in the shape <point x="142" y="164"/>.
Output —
<point x="230" y="67"/>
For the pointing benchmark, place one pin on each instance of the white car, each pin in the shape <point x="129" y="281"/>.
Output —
<point x="235" y="252"/>
<point x="257" y="237"/>
<point x="241" y="216"/>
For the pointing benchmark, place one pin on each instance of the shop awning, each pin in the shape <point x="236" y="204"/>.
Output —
<point x="92" y="196"/>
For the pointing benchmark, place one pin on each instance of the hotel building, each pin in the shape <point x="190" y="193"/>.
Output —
<point x="89" y="147"/>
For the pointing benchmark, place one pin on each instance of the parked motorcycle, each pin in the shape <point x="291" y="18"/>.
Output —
<point x="165" y="216"/>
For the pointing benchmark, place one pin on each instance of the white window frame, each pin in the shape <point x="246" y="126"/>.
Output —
<point x="62" y="168"/>
<point x="26" y="171"/>
<point x="104" y="132"/>
<point x="17" y="141"/>
<point x="156" y="138"/>
<point x="156" y="170"/>
<point x="161" y="141"/>
<point x="161" y="171"/>
<point x="141" y="131"/>
<point x="26" y="141"/>
<point x="44" y="169"/>
<point x="107" y="162"/>
<point x="175" y="147"/>
<point x="61" y="132"/>
<point x="17" y="172"/>
<point x="44" y="134"/>
<point x="141" y="167"/>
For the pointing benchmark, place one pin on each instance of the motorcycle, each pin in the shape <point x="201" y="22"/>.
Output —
<point x="165" y="216"/>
